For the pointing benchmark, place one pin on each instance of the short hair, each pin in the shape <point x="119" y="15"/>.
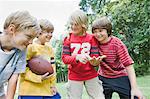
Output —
<point x="22" y="21"/>
<point x="46" y="25"/>
<point x="102" y="23"/>
<point x="79" y="17"/>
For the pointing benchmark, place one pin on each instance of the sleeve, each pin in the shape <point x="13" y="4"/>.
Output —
<point x="30" y="76"/>
<point x="52" y="60"/>
<point x="21" y="63"/>
<point x="123" y="55"/>
<point x="67" y="58"/>
<point x="94" y="48"/>
<point x="30" y="52"/>
<point x="2" y="91"/>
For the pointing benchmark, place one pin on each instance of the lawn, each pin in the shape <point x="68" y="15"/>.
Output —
<point x="143" y="82"/>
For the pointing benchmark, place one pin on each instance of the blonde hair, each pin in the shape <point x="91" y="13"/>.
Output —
<point x="46" y="25"/>
<point x="102" y="23"/>
<point x="79" y="17"/>
<point x="22" y="21"/>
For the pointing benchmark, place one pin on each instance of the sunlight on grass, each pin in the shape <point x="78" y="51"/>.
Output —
<point x="143" y="82"/>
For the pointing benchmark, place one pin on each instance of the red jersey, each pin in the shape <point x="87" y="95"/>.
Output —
<point x="117" y="58"/>
<point x="74" y="45"/>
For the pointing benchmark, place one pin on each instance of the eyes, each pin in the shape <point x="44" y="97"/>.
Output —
<point x="46" y="32"/>
<point x="98" y="31"/>
<point x="75" y="24"/>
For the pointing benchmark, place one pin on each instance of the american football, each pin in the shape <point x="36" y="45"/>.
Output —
<point x="40" y="66"/>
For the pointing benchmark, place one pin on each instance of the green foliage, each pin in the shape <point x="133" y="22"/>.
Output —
<point x="58" y="50"/>
<point x="61" y="68"/>
<point x="131" y="23"/>
<point x="62" y="71"/>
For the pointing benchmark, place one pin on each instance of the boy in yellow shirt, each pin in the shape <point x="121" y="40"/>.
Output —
<point x="33" y="86"/>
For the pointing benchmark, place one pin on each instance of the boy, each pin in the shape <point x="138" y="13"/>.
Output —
<point x="33" y="86"/>
<point x="77" y="49"/>
<point x="19" y="30"/>
<point x="116" y="72"/>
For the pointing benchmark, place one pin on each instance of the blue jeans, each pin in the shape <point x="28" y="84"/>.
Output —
<point x="57" y="96"/>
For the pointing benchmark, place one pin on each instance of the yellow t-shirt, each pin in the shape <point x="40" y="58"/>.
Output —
<point x="32" y="84"/>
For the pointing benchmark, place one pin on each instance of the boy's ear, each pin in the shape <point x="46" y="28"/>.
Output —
<point x="11" y="29"/>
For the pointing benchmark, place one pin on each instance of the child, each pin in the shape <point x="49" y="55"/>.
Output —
<point x="33" y="86"/>
<point x="76" y="50"/>
<point x="19" y="30"/>
<point x="116" y="72"/>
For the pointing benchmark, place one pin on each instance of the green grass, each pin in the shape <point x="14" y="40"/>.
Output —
<point x="143" y="83"/>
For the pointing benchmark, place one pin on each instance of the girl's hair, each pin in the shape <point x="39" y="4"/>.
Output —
<point x="79" y="17"/>
<point x="22" y="20"/>
<point x="102" y="23"/>
<point x="46" y="25"/>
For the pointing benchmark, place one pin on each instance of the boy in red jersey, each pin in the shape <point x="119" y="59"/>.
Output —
<point x="77" y="49"/>
<point x="116" y="72"/>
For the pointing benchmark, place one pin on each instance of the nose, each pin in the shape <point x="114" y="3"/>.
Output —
<point x="73" y="26"/>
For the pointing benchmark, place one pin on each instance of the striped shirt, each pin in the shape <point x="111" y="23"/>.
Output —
<point x="117" y="58"/>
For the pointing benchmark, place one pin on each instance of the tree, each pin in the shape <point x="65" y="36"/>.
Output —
<point x="131" y="21"/>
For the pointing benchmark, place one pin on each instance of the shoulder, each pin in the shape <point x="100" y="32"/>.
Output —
<point x="116" y="41"/>
<point x="90" y="36"/>
<point x="67" y="39"/>
<point x="30" y="46"/>
<point x="48" y="45"/>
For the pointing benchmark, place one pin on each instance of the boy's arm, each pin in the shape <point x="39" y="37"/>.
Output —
<point x="127" y="61"/>
<point x="66" y="53"/>
<point x="134" y="88"/>
<point x="12" y="83"/>
<point x="30" y="76"/>
<point x="94" y="53"/>
<point x="53" y="77"/>
<point x="21" y="67"/>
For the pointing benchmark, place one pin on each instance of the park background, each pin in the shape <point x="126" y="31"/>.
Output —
<point x="131" y="23"/>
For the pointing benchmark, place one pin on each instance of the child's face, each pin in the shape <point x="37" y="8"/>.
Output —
<point x="101" y="35"/>
<point x="76" y="29"/>
<point x="23" y="38"/>
<point x="45" y="36"/>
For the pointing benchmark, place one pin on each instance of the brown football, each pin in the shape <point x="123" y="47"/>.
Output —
<point x="40" y="66"/>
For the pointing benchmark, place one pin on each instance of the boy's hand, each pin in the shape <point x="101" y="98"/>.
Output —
<point x="53" y="90"/>
<point x="82" y="58"/>
<point x="96" y="61"/>
<point x="46" y="76"/>
<point x="93" y="61"/>
<point x="136" y="92"/>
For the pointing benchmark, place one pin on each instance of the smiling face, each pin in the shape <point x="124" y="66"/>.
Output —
<point x="22" y="39"/>
<point x="77" y="29"/>
<point x="45" y="36"/>
<point x="78" y="22"/>
<point x="101" y="35"/>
